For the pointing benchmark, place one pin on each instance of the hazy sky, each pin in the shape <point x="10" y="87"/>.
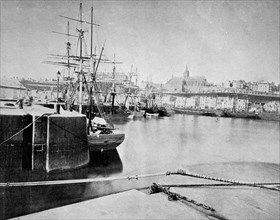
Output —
<point x="218" y="39"/>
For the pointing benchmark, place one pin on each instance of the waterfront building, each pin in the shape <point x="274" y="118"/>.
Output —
<point x="225" y="103"/>
<point x="166" y="99"/>
<point x="191" y="102"/>
<point x="11" y="88"/>
<point x="186" y="83"/>
<point x="207" y="102"/>
<point x="202" y="102"/>
<point x="271" y="107"/>
<point x="211" y="102"/>
<point x="255" y="87"/>
<point x="193" y="83"/>
<point x="238" y="84"/>
<point x="180" y="102"/>
<point x="264" y="87"/>
<point x="108" y="76"/>
<point x="175" y="84"/>
<point x="241" y="105"/>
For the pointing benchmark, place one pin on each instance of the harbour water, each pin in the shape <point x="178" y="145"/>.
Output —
<point x="152" y="146"/>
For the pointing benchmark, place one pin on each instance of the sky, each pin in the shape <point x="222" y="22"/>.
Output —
<point x="221" y="40"/>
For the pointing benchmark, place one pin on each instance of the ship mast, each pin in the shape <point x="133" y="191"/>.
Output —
<point x="68" y="48"/>
<point x="92" y="61"/>
<point x="81" y="35"/>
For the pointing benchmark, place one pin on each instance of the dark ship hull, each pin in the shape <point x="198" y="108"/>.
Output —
<point x="41" y="141"/>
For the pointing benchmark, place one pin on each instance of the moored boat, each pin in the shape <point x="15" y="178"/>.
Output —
<point x="102" y="137"/>
<point x="247" y="115"/>
<point x="194" y="111"/>
<point x="272" y="116"/>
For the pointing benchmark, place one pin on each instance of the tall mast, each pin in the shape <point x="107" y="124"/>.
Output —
<point x="113" y="92"/>
<point x="91" y="36"/>
<point x="93" y="72"/>
<point x="68" y="47"/>
<point x="81" y="61"/>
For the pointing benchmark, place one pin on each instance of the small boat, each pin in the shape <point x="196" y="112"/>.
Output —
<point x="272" y="116"/>
<point x="151" y="112"/>
<point x="247" y="115"/>
<point x="138" y="114"/>
<point x="203" y="112"/>
<point x="102" y="138"/>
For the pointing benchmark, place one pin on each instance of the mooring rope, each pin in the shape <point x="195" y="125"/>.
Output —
<point x="252" y="184"/>
<point x="136" y="177"/>
<point x="172" y="196"/>
<point x="75" y="181"/>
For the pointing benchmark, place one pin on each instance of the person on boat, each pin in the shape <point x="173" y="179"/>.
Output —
<point x="20" y="103"/>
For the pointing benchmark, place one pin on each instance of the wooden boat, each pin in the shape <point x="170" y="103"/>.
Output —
<point x="162" y="112"/>
<point x="150" y="112"/>
<point x="36" y="138"/>
<point x="195" y="112"/>
<point x="138" y="114"/>
<point x="247" y="115"/>
<point x="103" y="141"/>
<point x="102" y="137"/>
<point x="272" y="116"/>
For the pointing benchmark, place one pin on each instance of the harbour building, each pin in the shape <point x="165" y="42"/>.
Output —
<point x="186" y="83"/>
<point x="11" y="88"/>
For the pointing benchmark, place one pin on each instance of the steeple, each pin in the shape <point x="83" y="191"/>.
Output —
<point x="186" y="73"/>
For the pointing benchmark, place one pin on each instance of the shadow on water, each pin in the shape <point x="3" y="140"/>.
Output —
<point x="17" y="201"/>
<point x="105" y="163"/>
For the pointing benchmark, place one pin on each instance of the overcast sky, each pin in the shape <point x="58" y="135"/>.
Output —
<point x="218" y="39"/>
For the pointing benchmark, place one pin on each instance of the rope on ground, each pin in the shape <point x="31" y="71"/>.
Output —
<point x="22" y="129"/>
<point x="172" y="196"/>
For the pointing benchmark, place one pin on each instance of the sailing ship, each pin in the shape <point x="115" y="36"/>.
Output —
<point x="99" y="136"/>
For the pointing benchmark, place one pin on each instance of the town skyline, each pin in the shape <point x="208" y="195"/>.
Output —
<point x="220" y="40"/>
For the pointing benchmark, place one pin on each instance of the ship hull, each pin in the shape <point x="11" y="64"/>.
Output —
<point x="270" y="116"/>
<point x="246" y="115"/>
<point x="103" y="142"/>
<point x="50" y="143"/>
<point x="194" y="112"/>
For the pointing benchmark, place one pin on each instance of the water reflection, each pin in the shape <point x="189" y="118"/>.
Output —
<point x="16" y="201"/>
<point x="105" y="163"/>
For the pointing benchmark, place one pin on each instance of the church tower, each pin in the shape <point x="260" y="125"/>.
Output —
<point x="186" y="73"/>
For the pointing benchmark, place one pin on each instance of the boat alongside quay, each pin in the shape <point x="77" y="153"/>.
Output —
<point x="101" y="137"/>
<point x="271" y="116"/>
<point x="194" y="111"/>
<point x="245" y="115"/>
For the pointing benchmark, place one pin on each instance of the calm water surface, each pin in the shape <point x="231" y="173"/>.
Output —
<point x="151" y="146"/>
<point x="164" y="143"/>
